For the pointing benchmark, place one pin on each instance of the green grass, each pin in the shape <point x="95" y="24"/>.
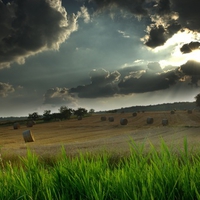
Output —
<point x="163" y="174"/>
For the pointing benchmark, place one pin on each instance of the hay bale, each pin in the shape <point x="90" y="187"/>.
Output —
<point x="189" y="111"/>
<point x="172" y="112"/>
<point x="150" y="120"/>
<point x="103" y="118"/>
<point x="134" y="114"/>
<point x="28" y="137"/>
<point x="111" y="119"/>
<point x="16" y="125"/>
<point x="79" y="118"/>
<point x="123" y="121"/>
<point x="29" y="123"/>
<point x="165" y="122"/>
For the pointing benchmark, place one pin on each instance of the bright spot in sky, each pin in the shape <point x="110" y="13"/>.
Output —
<point x="176" y="42"/>
<point x="195" y="55"/>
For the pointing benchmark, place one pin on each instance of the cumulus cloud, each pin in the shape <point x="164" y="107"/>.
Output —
<point x="155" y="67"/>
<point x="84" y="14"/>
<point x="5" y="89"/>
<point x="103" y="84"/>
<point x="29" y="27"/>
<point x="59" y="96"/>
<point x="188" y="48"/>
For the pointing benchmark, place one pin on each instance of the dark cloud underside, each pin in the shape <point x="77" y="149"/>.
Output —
<point x="188" y="48"/>
<point x="192" y="69"/>
<point x="28" y="27"/>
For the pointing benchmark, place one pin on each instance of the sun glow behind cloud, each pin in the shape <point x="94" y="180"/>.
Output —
<point x="178" y="58"/>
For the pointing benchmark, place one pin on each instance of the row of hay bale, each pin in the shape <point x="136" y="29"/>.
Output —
<point x="124" y="121"/>
<point x="150" y="120"/>
<point x="110" y="119"/>
<point x="28" y="124"/>
<point x="188" y="111"/>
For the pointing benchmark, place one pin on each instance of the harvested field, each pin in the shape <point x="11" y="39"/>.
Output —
<point x="92" y="134"/>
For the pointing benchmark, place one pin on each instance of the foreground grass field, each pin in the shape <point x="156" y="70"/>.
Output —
<point x="142" y="175"/>
<point x="103" y="160"/>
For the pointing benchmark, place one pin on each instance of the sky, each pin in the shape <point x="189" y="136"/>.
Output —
<point x="97" y="54"/>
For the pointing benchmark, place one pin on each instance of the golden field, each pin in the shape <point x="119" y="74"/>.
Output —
<point x="92" y="134"/>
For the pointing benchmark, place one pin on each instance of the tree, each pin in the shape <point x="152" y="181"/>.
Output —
<point x="57" y="116"/>
<point x="91" y="110"/>
<point x="34" y="116"/>
<point x="197" y="100"/>
<point x="47" y="115"/>
<point x="80" y="112"/>
<point x="65" y="112"/>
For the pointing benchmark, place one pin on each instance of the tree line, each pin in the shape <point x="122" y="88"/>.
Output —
<point x="63" y="114"/>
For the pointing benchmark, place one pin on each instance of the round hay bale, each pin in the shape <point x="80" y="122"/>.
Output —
<point x="134" y="114"/>
<point x="150" y="120"/>
<point x="189" y="111"/>
<point x="172" y="112"/>
<point x="79" y="118"/>
<point x="16" y="125"/>
<point x="103" y="118"/>
<point x="165" y="122"/>
<point x="123" y="121"/>
<point x="29" y="123"/>
<point x="28" y="137"/>
<point x="111" y="119"/>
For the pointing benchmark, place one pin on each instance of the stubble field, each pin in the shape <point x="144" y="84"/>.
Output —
<point x="93" y="135"/>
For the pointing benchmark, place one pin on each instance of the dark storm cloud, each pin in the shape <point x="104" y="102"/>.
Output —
<point x="188" y="12"/>
<point x="164" y="18"/>
<point x="192" y="69"/>
<point x="58" y="96"/>
<point x="161" y="20"/>
<point x="151" y="79"/>
<point x="137" y="80"/>
<point x="188" y="48"/>
<point x="136" y="7"/>
<point x="168" y="17"/>
<point x="163" y="25"/>
<point x="157" y="36"/>
<point x="5" y="88"/>
<point x="103" y="84"/>
<point x="29" y="27"/>
<point x="147" y="82"/>
<point x="163" y="7"/>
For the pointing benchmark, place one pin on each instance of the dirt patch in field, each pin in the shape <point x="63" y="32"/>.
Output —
<point x="92" y="134"/>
